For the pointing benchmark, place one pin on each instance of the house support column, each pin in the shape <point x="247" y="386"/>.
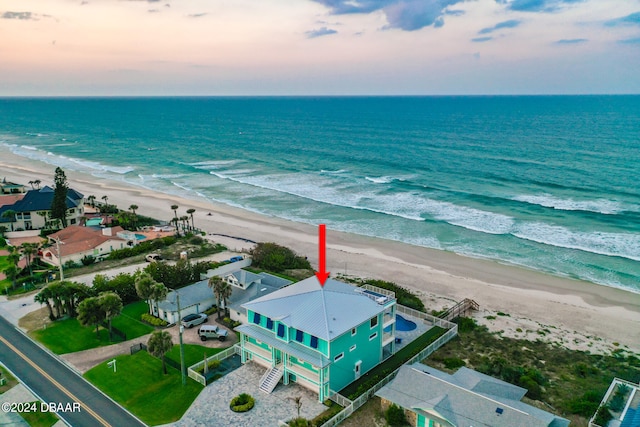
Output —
<point x="321" y="396"/>
<point x="243" y="353"/>
<point x="285" y="361"/>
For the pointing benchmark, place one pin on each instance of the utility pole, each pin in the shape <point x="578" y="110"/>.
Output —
<point x="182" y="367"/>
<point x="59" y="258"/>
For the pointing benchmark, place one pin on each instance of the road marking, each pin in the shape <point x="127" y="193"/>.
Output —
<point x="54" y="382"/>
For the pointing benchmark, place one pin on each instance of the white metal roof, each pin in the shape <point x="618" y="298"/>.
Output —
<point x="324" y="311"/>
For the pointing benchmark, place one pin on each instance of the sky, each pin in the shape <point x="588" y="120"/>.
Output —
<point x="318" y="47"/>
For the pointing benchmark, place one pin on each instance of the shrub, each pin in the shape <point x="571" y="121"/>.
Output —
<point x="534" y="391"/>
<point x="465" y="324"/>
<point x="453" y="362"/>
<point x="603" y="416"/>
<point x="273" y="257"/>
<point x="299" y="422"/>
<point x="586" y="404"/>
<point x="152" y="320"/>
<point x="395" y="416"/>
<point x="617" y="403"/>
<point x="403" y="296"/>
<point x="196" y="240"/>
<point x="242" y="403"/>
<point x="87" y="260"/>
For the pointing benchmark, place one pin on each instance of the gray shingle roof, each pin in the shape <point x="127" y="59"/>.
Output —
<point x="439" y="395"/>
<point x="324" y="311"/>
<point x="189" y="295"/>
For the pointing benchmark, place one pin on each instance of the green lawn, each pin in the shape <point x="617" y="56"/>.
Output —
<point x="140" y="386"/>
<point x="68" y="336"/>
<point x="129" y="321"/>
<point x="193" y="353"/>
<point x="378" y="373"/>
<point x="38" y="418"/>
<point x="10" y="381"/>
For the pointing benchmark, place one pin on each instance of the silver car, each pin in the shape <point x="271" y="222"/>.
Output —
<point x="191" y="320"/>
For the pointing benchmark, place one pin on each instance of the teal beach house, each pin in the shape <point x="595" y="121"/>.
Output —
<point x="321" y="337"/>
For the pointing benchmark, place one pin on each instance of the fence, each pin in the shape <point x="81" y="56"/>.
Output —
<point x="192" y="371"/>
<point x="137" y="347"/>
<point x="361" y="400"/>
<point x="432" y="320"/>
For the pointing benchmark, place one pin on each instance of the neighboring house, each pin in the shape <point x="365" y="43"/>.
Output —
<point x="76" y="242"/>
<point x="194" y="298"/>
<point x="432" y="398"/>
<point x="33" y="211"/>
<point x="249" y="287"/>
<point x="629" y="401"/>
<point x="321" y="337"/>
<point x="7" y="187"/>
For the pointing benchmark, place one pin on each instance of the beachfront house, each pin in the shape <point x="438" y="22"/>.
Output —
<point x="321" y="337"/>
<point x="432" y="398"/>
<point x="246" y="287"/>
<point x="195" y="298"/>
<point x="75" y="242"/>
<point x="33" y="211"/>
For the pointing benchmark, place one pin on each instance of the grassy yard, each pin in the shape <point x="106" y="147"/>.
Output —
<point x="140" y="386"/>
<point x="10" y="381"/>
<point x="193" y="353"/>
<point x="68" y="336"/>
<point x="378" y="373"/>
<point x="38" y="418"/>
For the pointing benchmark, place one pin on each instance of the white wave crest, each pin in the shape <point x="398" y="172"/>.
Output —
<point x="29" y="147"/>
<point x="380" y="180"/>
<point x="624" y="245"/>
<point x="603" y="206"/>
<point x="212" y="164"/>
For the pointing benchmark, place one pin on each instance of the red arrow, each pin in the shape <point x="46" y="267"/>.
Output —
<point x="322" y="275"/>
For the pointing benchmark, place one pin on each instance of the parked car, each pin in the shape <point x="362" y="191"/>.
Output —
<point x="212" y="331"/>
<point x="235" y="258"/>
<point x="191" y="320"/>
<point x="153" y="257"/>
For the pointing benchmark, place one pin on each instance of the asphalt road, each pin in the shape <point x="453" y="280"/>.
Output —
<point x="54" y="382"/>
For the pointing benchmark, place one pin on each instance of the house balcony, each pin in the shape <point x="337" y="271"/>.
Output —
<point x="303" y="372"/>
<point x="258" y="351"/>
<point x="387" y="337"/>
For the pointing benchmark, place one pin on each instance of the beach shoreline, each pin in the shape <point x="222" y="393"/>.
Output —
<point x="608" y="313"/>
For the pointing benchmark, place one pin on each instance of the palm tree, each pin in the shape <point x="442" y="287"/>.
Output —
<point x="158" y="293"/>
<point x="12" y="270"/>
<point x="190" y="212"/>
<point x="90" y="313"/>
<point x="36" y="184"/>
<point x="158" y="345"/>
<point x="11" y="214"/>
<point x="31" y="184"/>
<point x="133" y="208"/>
<point x="43" y="298"/>
<point x="29" y="250"/>
<point x="174" y="208"/>
<point x="92" y="200"/>
<point x="222" y="291"/>
<point x="106" y="202"/>
<point x="144" y="283"/>
<point x="185" y="222"/>
<point x="111" y="306"/>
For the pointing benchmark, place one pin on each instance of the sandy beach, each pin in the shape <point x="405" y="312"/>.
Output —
<point x="577" y="314"/>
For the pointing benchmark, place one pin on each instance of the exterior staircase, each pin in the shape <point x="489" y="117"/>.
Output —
<point x="460" y="309"/>
<point x="270" y="380"/>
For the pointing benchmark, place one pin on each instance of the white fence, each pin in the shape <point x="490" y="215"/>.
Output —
<point x="192" y="371"/>
<point x="432" y="320"/>
<point x="361" y="400"/>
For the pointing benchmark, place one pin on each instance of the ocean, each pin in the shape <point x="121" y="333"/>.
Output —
<point x="550" y="183"/>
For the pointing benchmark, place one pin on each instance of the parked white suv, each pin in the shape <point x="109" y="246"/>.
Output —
<point x="191" y="320"/>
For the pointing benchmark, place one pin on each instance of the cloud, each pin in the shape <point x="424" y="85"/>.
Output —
<point x="324" y="31"/>
<point x="635" y="40"/>
<point x="632" y="19"/>
<point x="537" y="5"/>
<point x="571" y="41"/>
<point x="18" y="15"/>
<point x="481" y="39"/>
<point x="197" y="15"/>
<point x="512" y="23"/>
<point x="408" y="15"/>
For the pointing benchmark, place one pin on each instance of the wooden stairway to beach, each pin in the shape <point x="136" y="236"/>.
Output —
<point x="460" y="309"/>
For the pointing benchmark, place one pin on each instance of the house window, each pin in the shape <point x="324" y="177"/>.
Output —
<point x="353" y="347"/>
<point x="280" y="330"/>
<point x="269" y="324"/>
<point x="338" y="357"/>
<point x="353" y="331"/>
<point x="374" y="322"/>
<point x="256" y="318"/>
<point x="299" y="335"/>
<point x="73" y="221"/>
<point x="314" y="341"/>
<point x="373" y="336"/>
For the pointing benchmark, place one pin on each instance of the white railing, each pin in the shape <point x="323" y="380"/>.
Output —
<point x="378" y="290"/>
<point x="192" y="370"/>
<point x="339" y="399"/>
<point x="432" y="320"/>
<point x="362" y="399"/>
